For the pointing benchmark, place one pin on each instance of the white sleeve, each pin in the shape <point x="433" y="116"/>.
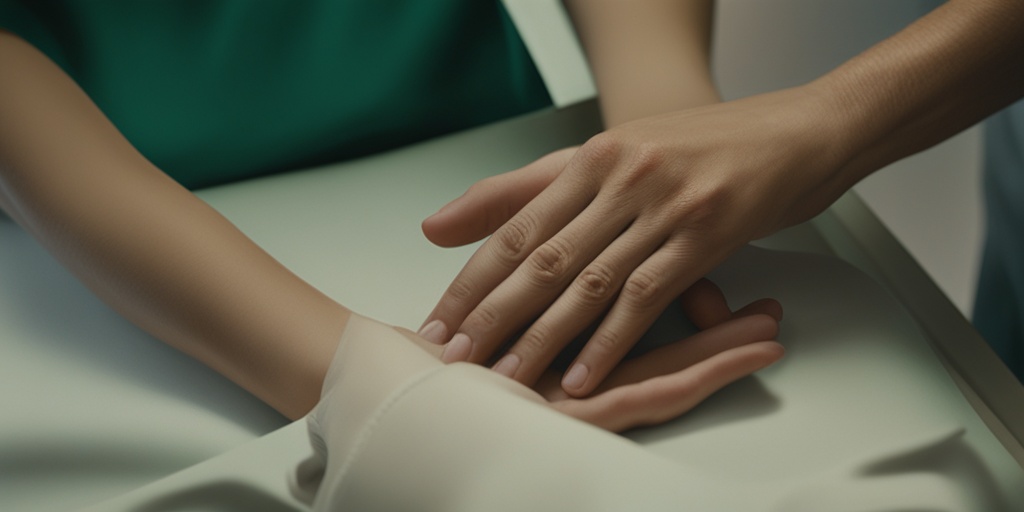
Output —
<point x="397" y="430"/>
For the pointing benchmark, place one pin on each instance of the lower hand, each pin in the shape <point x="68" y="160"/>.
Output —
<point x="668" y="381"/>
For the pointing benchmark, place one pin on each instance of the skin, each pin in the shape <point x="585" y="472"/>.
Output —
<point x="638" y="213"/>
<point x="669" y="381"/>
<point x="173" y="265"/>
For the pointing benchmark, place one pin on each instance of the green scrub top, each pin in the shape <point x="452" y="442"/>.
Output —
<point x="213" y="91"/>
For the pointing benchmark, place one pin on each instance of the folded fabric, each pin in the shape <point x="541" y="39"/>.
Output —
<point x="398" y="430"/>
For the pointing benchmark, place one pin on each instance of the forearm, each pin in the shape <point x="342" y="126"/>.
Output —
<point x="151" y="249"/>
<point x="647" y="59"/>
<point x="940" y="75"/>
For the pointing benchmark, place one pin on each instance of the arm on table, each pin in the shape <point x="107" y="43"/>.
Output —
<point x="148" y="247"/>
<point x="642" y="210"/>
<point x="171" y="264"/>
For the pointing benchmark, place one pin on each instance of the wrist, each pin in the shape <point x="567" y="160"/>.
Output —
<point x="621" y="107"/>
<point x="844" y="119"/>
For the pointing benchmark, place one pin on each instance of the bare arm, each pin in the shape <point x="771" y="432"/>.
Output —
<point x="150" y="248"/>
<point x="647" y="59"/>
<point x="942" y="74"/>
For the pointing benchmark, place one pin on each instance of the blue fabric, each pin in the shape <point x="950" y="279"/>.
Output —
<point x="999" y="306"/>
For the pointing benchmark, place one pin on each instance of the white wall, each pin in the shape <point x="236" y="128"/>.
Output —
<point x="930" y="201"/>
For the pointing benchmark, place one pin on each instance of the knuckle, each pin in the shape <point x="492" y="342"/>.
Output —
<point x="478" y="187"/>
<point x="605" y="344"/>
<point x="534" y="342"/>
<point x="460" y="292"/>
<point x="596" y="285"/>
<point x="643" y="290"/>
<point x="550" y="262"/>
<point x="486" y="183"/>
<point x="645" y="161"/>
<point x="703" y="208"/>
<point x="603" y="147"/>
<point x="484" y="318"/>
<point x="510" y="241"/>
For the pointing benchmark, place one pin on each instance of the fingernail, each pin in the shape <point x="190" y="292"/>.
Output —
<point x="507" y="365"/>
<point x="457" y="349"/>
<point x="434" y="332"/>
<point x="576" y="376"/>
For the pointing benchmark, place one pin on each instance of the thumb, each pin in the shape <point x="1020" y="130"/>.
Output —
<point x="491" y="202"/>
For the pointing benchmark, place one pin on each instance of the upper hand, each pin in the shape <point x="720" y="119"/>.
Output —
<point x="623" y="226"/>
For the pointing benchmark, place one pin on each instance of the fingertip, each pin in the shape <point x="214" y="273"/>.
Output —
<point x="704" y="304"/>
<point x="434" y="331"/>
<point x="508" y="365"/>
<point x="773" y="308"/>
<point x="770" y="307"/>
<point x="754" y="327"/>
<point x="575" y="380"/>
<point x="770" y="352"/>
<point x="440" y="230"/>
<point x="458" y="349"/>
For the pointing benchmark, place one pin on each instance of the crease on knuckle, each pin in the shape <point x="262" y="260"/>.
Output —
<point x="702" y="209"/>
<point x="596" y="285"/>
<point x="604" y="344"/>
<point x="550" y="262"/>
<point x="534" y="342"/>
<point x="641" y="169"/>
<point x="484" y="318"/>
<point x="602" y="148"/>
<point x="643" y="290"/>
<point x="510" y="240"/>
<point x="460" y="292"/>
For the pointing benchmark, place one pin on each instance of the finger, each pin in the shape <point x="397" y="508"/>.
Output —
<point x="770" y="307"/>
<point x="491" y="202"/>
<point x="585" y="298"/>
<point x="646" y="293"/>
<point x="688" y="352"/>
<point x="678" y="355"/>
<point x="704" y="304"/>
<point x="501" y="254"/>
<point x="538" y="282"/>
<point x="660" y="399"/>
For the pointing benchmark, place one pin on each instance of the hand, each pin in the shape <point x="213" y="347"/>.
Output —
<point x="668" y="381"/>
<point x="634" y="217"/>
<point x="491" y="202"/>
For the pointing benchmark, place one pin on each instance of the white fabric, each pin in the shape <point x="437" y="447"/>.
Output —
<point x="396" y="430"/>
